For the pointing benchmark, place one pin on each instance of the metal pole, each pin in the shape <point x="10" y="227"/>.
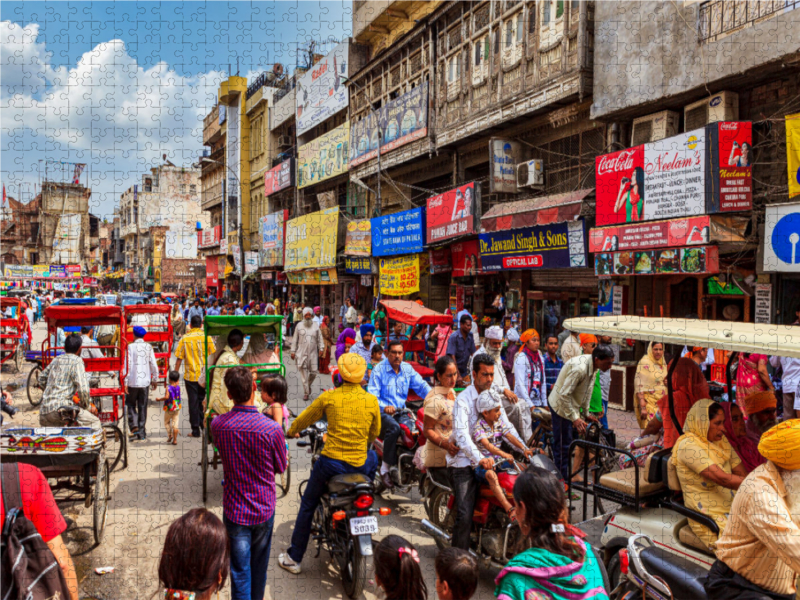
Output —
<point x="380" y="143"/>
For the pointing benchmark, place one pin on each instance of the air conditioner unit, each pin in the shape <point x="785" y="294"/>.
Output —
<point x="719" y="107"/>
<point x="530" y="173"/>
<point x="655" y="127"/>
<point x="284" y="141"/>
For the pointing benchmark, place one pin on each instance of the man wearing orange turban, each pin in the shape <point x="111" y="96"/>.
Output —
<point x="763" y="410"/>
<point x="588" y="342"/>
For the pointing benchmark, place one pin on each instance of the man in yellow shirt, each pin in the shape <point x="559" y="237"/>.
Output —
<point x="354" y="421"/>
<point x="191" y="349"/>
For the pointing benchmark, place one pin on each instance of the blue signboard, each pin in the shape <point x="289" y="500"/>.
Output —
<point x="357" y="265"/>
<point x="398" y="233"/>
<point x="555" y="246"/>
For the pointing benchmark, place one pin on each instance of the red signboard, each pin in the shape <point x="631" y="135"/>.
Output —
<point x="657" y="234"/>
<point x="212" y="276"/>
<point x="440" y="261"/>
<point x="451" y="214"/>
<point x="73" y="270"/>
<point x="209" y="237"/>
<point x="731" y="167"/>
<point x="523" y="262"/>
<point x="278" y="178"/>
<point x="466" y="258"/>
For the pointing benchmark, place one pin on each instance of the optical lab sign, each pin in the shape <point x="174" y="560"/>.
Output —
<point x="782" y="238"/>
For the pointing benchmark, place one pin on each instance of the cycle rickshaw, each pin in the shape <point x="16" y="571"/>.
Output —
<point x="220" y="326"/>
<point x="159" y="334"/>
<point x="12" y="331"/>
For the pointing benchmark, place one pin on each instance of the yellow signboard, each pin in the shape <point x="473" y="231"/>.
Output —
<point x="399" y="275"/>
<point x="358" y="241"/>
<point x="311" y="240"/>
<point x="324" y="157"/>
<point x="793" y="153"/>
<point x="313" y="277"/>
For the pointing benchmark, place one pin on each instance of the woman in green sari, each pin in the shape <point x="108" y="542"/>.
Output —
<point x="558" y="564"/>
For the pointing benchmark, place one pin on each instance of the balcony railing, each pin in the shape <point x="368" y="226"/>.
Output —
<point x="211" y="196"/>
<point x="718" y="17"/>
<point x="211" y="126"/>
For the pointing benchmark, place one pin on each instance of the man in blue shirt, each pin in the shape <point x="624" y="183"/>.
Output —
<point x="461" y="346"/>
<point x="196" y="309"/>
<point x="390" y="381"/>
<point x="213" y="310"/>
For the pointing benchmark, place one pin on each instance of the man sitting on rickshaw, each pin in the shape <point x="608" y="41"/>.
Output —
<point x="63" y="380"/>
<point x="218" y="401"/>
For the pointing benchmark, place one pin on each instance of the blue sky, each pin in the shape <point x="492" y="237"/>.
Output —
<point x="118" y="84"/>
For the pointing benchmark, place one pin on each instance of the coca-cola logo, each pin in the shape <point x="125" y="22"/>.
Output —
<point x="614" y="163"/>
<point x="729" y="126"/>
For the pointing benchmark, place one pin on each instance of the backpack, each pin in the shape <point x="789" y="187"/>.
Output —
<point x="29" y="568"/>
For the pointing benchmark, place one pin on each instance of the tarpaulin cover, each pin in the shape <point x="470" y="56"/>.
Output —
<point x="76" y="316"/>
<point x="534" y="211"/>
<point x="411" y="313"/>
<point x="148" y="309"/>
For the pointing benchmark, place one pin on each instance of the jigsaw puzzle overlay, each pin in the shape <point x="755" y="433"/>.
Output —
<point x="400" y="299"/>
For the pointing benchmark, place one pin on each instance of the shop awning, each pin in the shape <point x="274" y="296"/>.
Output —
<point x="534" y="211"/>
<point x="409" y="312"/>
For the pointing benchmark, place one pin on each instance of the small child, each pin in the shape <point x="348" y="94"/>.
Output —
<point x="274" y="393"/>
<point x="172" y="407"/>
<point x="397" y="570"/>
<point x="376" y="356"/>
<point x="456" y="574"/>
<point x="488" y="434"/>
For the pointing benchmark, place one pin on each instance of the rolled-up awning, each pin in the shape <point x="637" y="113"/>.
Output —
<point x="534" y="211"/>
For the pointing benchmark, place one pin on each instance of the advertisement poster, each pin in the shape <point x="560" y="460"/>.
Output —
<point x="250" y="262"/>
<point x="466" y="259"/>
<point x="357" y="265"/>
<point x="400" y="275"/>
<point x="782" y="238"/>
<point x="323" y="157"/>
<point x="279" y="177"/>
<point x="209" y="237"/>
<point x="18" y="271"/>
<point x="668" y="261"/>
<point x="237" y="258"/>
<point x="555" y="246"/>
<point x="793" y="153"/>
<point x="212" y="271"/>
<point x="398" y="233"/>
<point x="41" y="271"/>
<point x="321" y="91"/>
<point x="676" y="232"/>
<point x="452" y="214"/>
<point x="504" y="156"/>
<point x="605" y="298"/>
<point x="402" y="120"/>
<point x="763" y="302"/>
<point x="58" y="271"/>
<point x="311" y="240"/>
<point x="223" y="245"/>
<point x="73" y="270"/>
<point x="272" y="228"/>
<point x="618" y="295"/>
<point x="314" y="277"/>
<point x="358" y="239"/>
<point x="440" y="260"/>
<point x="730" y="184"/>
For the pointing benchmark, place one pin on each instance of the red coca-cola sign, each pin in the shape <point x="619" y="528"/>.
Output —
<point x="619" y="161"/>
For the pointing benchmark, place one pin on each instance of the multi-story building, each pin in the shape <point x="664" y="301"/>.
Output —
<point x="212" y="183"/>
<point x="19" y="232"/>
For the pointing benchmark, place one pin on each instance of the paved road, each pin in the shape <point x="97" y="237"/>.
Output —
<point x="164" y="481"/>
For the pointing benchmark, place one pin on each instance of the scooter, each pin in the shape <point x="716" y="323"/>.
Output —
<point x="411" y="438"/>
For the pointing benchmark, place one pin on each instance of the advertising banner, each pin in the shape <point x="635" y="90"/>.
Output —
<point x="398" y="233"/>
<point x="782" y="238"/>
<point x="357" y="265"/>
<point x="41" y="271"/>
<point x="605" y="302"/>
<point x="452" y="214"/>
<point x="58" y="271"/>
<point x="212" y="271"/>
<point x="555" y="246"/>
<point x="763" y="303"/>
<point x="729" y="186"/>
<point x="668" y="261"/>
<point x="73" y="270"/>
<point x="793" y="153"/>
<point x="18" y="271"/>
<point x="440" y="260"/>
<point x="402" y="120"/>
<point x="279" y="177"/>
<point x="237" y="258"/>
<point x="209" y="237"/>
<point x="504" y="156"/>
<point x="250" y="262"/>
<point x="272" y="229"/>
<point x="466" y="258"/>
<point x="313" y="277"/>
<point x="400" y="275"/>
<point x="311" y="240"/>
<point x="658" y="234"/>
<point x="321" y="91"/>
<point x="358" y="239"/>
<point x="324" y="157"/>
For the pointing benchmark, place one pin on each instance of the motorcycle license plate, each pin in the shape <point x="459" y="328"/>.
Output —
<point x="364" y="526"/>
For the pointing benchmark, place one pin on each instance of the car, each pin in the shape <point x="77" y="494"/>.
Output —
<point x="108" y="299"/>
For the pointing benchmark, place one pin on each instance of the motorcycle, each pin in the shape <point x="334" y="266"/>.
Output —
<point x="412" y="437"/>
<point x="345" y="519"/>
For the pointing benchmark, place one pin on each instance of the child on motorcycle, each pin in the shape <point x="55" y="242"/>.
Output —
<point x="488" y="434"/>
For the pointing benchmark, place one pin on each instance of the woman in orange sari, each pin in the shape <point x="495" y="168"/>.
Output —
<point x="752" y="377"/>
<point x="688" y="385"/>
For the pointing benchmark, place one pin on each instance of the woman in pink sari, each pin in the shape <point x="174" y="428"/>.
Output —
<point x="442" y="334"/>
<point x="752" y="376"/>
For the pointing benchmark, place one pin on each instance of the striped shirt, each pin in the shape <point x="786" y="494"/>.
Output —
<point x="253" y="449"/>
<point x="190" y="350"/>
<point x="551" y="371"/>
<point x="63" y="378"/>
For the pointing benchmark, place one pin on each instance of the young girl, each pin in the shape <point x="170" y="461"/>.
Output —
<point x="172" y="407"/>
<point x="376" y="356"/>
<point x="274" y="392"/>
<point x="397" y="570"/>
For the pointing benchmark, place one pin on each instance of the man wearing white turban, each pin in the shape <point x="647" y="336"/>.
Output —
<point x="307" y="347"/>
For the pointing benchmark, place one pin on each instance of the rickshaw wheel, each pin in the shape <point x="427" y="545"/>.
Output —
<point x="18" y="355"/>
<point x="116" y="448"/>
<point x="101" y="496"/>
<point x="35" y="393"/>
<point x="204" y="462"/>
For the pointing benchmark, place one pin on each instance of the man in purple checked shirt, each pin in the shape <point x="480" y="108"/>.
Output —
<point x="253" y="449"/>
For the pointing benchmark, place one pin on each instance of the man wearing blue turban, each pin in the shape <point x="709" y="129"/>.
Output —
<point x="142" y="370"/>
<point x="367" y="343"/>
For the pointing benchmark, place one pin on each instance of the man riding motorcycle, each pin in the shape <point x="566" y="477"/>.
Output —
<point x="390" y="381"/>
<point x="354" y="422"/>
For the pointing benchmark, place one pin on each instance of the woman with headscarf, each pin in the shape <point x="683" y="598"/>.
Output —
<point x="709" y="470"/>
<point x="341" y="341"/>
<point x="688" y="386"/>
<point x="752" y="376"/>
<point x="178" y="324"/>
<point x="736" y="432"/>
<point x="441" y="334"/>
<point x="327" y="336"/>
<point x="650" y="383"/>
<point x="259" y="353"/>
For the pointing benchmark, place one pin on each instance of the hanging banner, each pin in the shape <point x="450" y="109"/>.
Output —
<point x="250" y="262"/>
<point x="555" y="246"/>
<point x="452" y="214"/>
<point x="441" y="261"/>
<point x="212" y="271"/>
<point x="272" y="230"/>
<point x="73" y="270"/>
<point x="321" y="92"/>
<point x="58" y="271"/>
<point x="311" y="240"/>
<point x="18" y="271"/>
<point x="313" y="277"/>
<point x="209" y="237"/>
<point x="730" y="184"/>
<point x="66" y="243"/>
<point x="402" y="121"/>
<point x="466" y="258"/>
<point x="605" y="297"/>
<point x="323" y="157"/>
<point x="237" y="258"/>
<point x="782" y="238"/>
<point x="400" y="275"/>
<point x="357" y="265"/>
<point x="504" y="156"/>
<point x="398" y="233"/>
<point x="793" y="153"/>
<point x="689" y="261"/>
<point x="41" y="271"/>
<point x="358" y="238"/>
<point x="279" y="177"/>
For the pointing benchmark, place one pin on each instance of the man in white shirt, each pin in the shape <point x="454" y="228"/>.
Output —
<point x="461" y="467"/>
<point x="791" y="384"/>
<point x="89" y="348"/>
<point x="142" y="370"/>
<point x="350" y="316"/>
<point x="30" y="313"/>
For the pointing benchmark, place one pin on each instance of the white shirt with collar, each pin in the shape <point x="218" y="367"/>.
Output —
<point x="142" y="365"/>
<point x="89" y="348"/>
<point x="465" y="418"/>
<point x="500" y="380"/>
<point x="791" y="373"/>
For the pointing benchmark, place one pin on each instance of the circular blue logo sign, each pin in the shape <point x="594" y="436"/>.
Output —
<point x="786" y="239"/>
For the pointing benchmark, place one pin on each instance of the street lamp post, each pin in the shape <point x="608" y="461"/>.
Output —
<point x="239" y="222"/>
<point x="372" y="111"/>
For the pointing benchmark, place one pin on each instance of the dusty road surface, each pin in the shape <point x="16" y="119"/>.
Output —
<point x="163" y="481"/>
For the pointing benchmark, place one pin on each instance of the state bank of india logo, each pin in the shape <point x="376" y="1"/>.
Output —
<point x="786" y="239"/>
